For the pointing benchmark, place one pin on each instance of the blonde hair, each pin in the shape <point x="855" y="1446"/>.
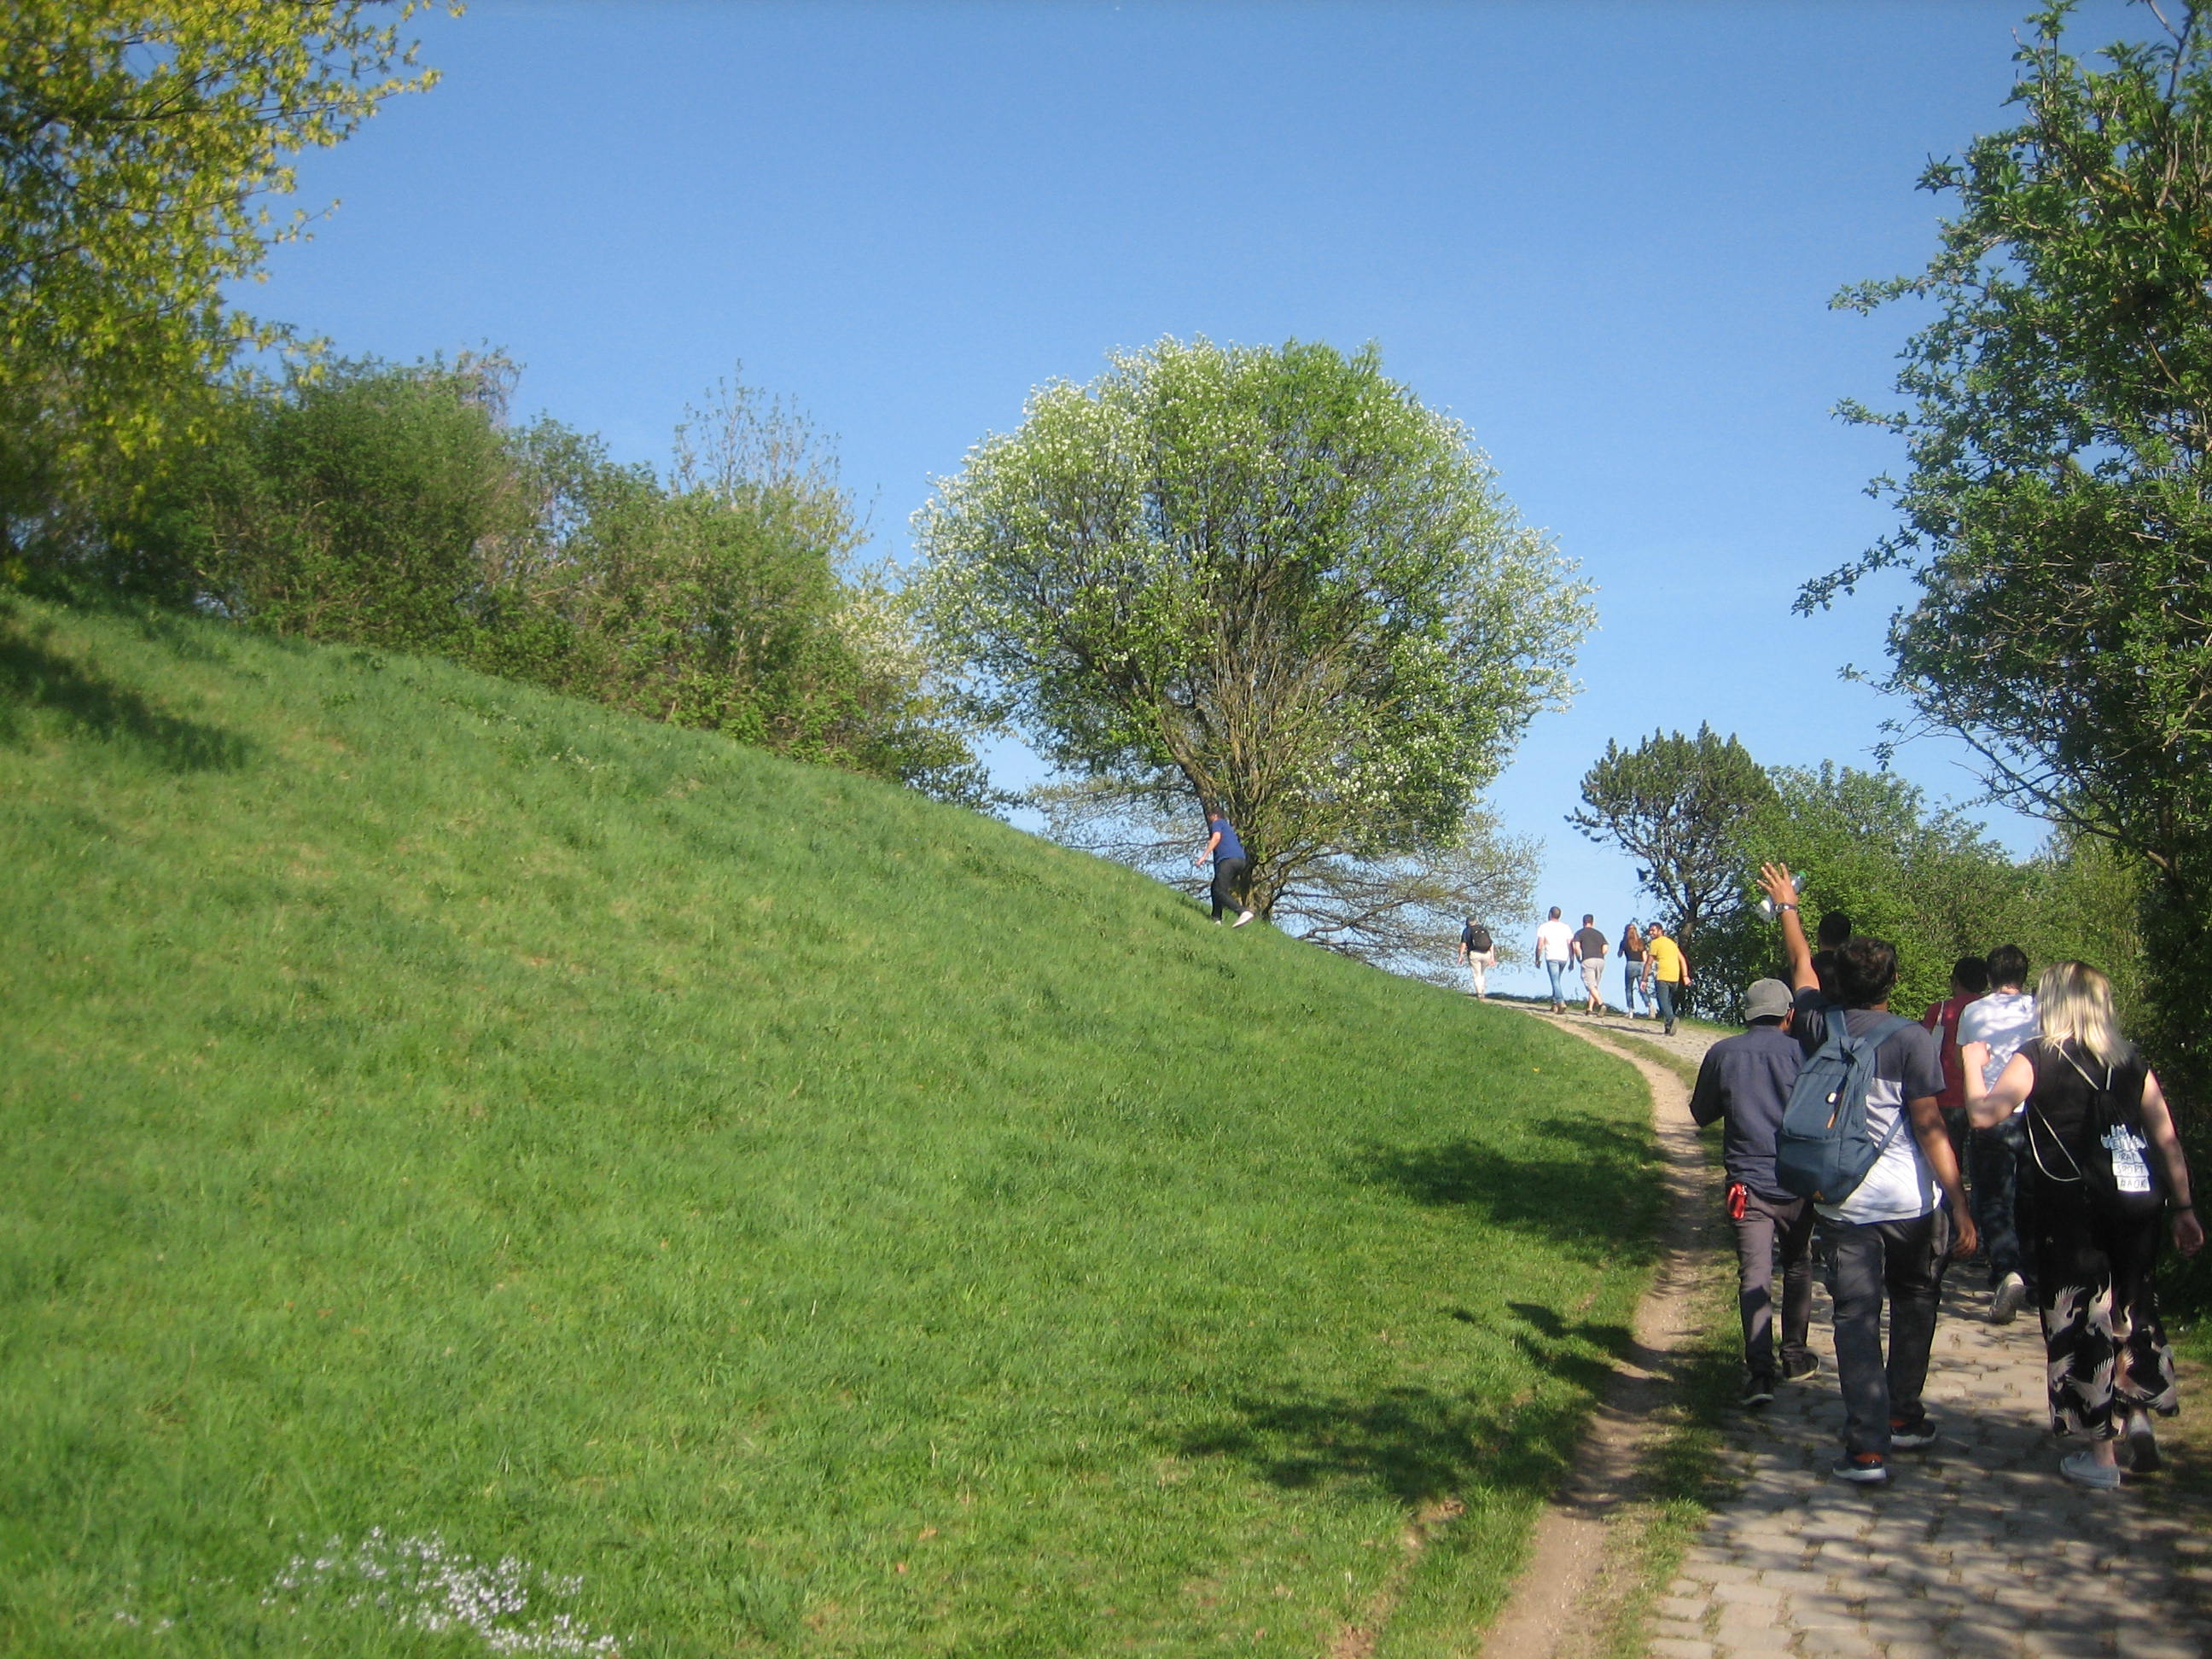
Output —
<point x="2073" y="1002"/>
<point x="1635" y="939"/>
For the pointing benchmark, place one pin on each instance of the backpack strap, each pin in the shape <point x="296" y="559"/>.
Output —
<point x="1874" y="1039"/>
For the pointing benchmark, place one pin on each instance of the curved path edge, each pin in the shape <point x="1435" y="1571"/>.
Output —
<point x="1561" y="1602"/>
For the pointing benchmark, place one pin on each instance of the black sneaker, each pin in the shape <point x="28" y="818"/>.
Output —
<point x="1909" y="1437"/>
<point x="1796" y="1371"/>
<point x="1759" y="1391"/>
<point x="1861" y="1468"/>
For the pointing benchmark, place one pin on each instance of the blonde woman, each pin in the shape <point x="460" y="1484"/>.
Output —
<point x="2105" y="1161"/>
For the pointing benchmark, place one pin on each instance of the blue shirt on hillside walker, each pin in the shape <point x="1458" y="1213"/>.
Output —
<point x="1230" y="864"/>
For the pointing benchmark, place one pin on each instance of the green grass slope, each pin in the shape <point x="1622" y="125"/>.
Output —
<point x="479" y="1175"/>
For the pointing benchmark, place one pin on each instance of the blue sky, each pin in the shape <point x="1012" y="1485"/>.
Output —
<point x="1603" y="235"/>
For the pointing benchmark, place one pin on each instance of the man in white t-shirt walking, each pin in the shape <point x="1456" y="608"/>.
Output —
<point x="1893" y="1234"/>
<point x="1555" y="945"/>
<point x="1990" y="1032"/>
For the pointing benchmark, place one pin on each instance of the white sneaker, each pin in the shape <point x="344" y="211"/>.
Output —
<point x="1241" y="919"/>
<point x="2083" y="1469"/>
<point x="2004" y="1307"/>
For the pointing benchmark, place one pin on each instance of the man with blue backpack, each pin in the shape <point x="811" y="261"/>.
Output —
<point x="1863" y="1136"/>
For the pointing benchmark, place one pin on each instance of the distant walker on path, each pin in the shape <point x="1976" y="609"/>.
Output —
<point x="1479" y="952"/>
<point x="1555" y="950"/>
<point x="1231" y="868"/>
<point x="1589" y="947"/>
<point x="1670" y="974"/>
<point x="1635" y="973"/>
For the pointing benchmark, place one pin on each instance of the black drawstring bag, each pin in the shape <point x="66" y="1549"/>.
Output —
<point x="2112" y="1161"/>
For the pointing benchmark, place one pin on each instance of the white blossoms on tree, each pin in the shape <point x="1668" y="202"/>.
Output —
<point x="1268" y="581"/>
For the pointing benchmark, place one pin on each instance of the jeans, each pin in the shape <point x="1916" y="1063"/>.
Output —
<point x="1905" y="1259"/>
<point x="2004" y="1197"/>
<point x="1765" y="1224"/>
<point x="1558" y="970"/>
<point x="1632" y="984"/>
<point x="1478" y="964"/>
<point x="1669" y="991"/>
<point x="1229" y="885"/>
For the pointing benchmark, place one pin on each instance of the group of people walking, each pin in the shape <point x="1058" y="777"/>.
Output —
<point x="2077" y="1176"/>
<point x="1653" y="967"/>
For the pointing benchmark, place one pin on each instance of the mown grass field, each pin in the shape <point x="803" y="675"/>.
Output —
<point x="778" y="1212"/>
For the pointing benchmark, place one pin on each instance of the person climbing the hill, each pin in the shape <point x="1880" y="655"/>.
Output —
<point x="1555" y="945"/>
<point x="1589" y="947"/>
<point x="1670" y="974"/>
<point x="1230" y="868"/>
<point x="1970" y="978"/>
<point x="1894" y="1232"/>
<point x="1744" y="1081"/>
<point x="1991" y="1032"/>
<point x="2092" y="1109"/>
<point x="1479" y="952"/>
<point x="1635" y="972"/>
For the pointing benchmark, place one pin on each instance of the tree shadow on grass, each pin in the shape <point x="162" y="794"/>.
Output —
<point x="1416" y="1446"/>
<point x="31" y="676"/>
<point x="1420" y="1445"/>
<point x="1592" y="1188"/>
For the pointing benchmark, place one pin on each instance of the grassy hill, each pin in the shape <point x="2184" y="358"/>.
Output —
<point x="479" y="1173"/>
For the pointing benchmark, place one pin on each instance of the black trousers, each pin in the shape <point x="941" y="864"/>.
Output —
<point x="1228" y="885"/>
<point x="2102" y="1341"/>
<point x="1866" y="1259"/>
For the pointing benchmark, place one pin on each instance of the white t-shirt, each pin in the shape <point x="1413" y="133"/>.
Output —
<point x="2004" y="1020"/>
<point x="1554" y="941"/>
<point x="1900" y="1186"/>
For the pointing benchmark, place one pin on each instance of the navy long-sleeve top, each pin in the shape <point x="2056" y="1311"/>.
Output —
<point x="1746" y="1079"/>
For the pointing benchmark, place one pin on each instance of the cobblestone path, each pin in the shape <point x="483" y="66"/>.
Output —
<point x="1978" y="1549"/>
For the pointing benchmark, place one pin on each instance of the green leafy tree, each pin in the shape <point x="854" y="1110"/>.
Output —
<point x="1929" y="880"/>
<point x="2056" y="516"/>
<point x="138" y="144"/>
<point x="1676" y="805"/>
<point x="1265" y="579"/>
<point x="395" y="506"/>
<point x="356" y="505"/>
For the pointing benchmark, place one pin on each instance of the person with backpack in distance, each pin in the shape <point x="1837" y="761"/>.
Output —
<point x="1230" y="868"/>
<point x="1555" y="946"/>
<point x="1670" y="974"/>
<point x="1862" y="1138"/>
<point x="1589" y="947"/>
<point x="1990" y="1032"/>
<point x="2091" y="1109"/>
<point x="1744" y="1082"/>
<point x="1635" y="972"/>
<point x="1479" y="952"/>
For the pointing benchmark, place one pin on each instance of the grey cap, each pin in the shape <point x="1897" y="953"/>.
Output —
<point x="1767" y="999"/>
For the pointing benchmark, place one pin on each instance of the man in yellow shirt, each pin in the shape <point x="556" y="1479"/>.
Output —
<point x="1670" y="974"/>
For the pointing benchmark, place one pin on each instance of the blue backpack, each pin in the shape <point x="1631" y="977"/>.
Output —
<point x="1825" y="1149"/>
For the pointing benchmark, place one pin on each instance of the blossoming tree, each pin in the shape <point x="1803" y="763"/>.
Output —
<point x="1266" y="579"/>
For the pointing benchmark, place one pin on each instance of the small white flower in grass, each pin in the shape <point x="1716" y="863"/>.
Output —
<point x="424" y="1585"/>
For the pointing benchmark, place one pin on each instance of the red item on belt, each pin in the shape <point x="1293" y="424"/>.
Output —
<point x="1738" y="1196"/>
